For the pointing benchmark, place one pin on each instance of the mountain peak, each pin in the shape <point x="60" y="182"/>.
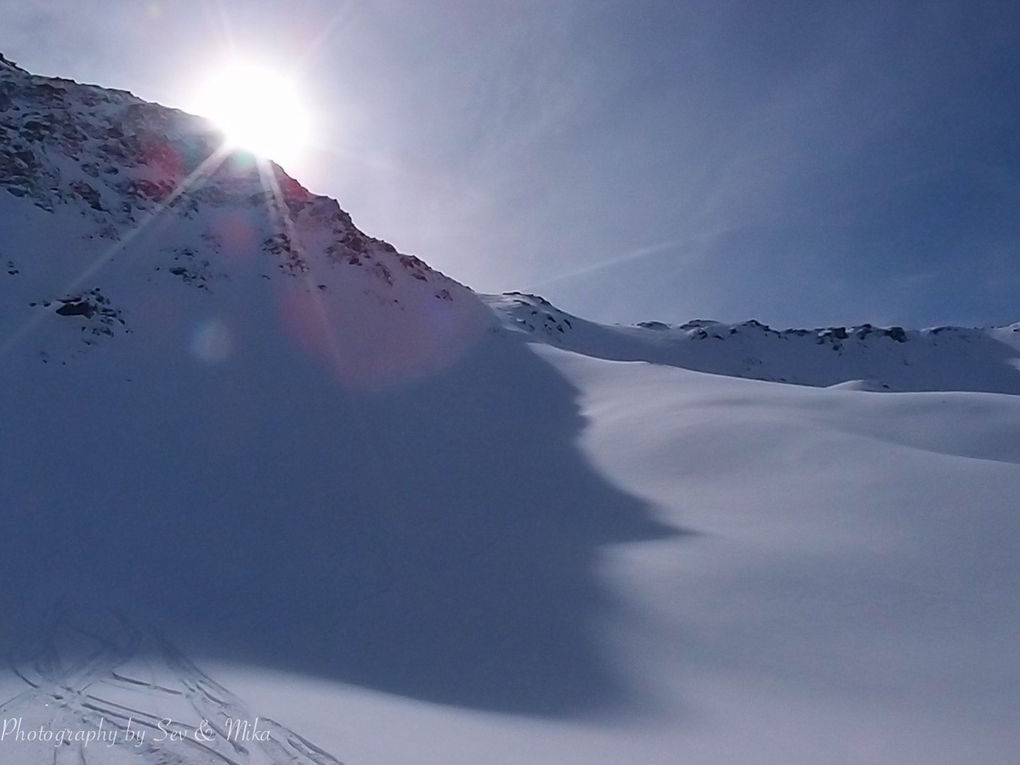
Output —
<point x="104" y="183"/>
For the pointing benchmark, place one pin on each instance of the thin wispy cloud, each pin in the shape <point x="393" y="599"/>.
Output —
<point x="687" y="248"/>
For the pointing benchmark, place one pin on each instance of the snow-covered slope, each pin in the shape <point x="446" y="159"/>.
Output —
<point x="129" y="220"/>
<point x="257" y="464"/>
<point x="864" y="356"/>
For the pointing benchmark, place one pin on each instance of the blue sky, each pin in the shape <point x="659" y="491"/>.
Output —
<point x="802" y="163"/>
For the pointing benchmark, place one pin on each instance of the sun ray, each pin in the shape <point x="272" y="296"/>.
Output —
<point x="219" y="14"/>
<point x="324" y="35"/>
<point x="205" y="168"/>
<point x="270" y="183"/>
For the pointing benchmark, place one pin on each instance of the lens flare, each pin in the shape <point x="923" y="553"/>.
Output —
<point x="212" y="342"/>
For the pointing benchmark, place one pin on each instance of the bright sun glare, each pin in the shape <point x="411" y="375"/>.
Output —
<point x="258" y="109"/>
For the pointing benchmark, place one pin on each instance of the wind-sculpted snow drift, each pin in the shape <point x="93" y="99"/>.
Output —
<point x="232" y="422"/>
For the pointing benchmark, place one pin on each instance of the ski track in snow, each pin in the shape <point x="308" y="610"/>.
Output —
<point x="95" y="678"/>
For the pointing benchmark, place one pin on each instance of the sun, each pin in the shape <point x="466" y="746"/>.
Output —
<point x="259" y="109"/>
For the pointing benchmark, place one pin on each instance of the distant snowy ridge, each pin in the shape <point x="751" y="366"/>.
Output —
<point x="863" y="357"/>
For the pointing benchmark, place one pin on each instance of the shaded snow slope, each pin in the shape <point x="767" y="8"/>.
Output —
<point x="848" y="594"/>
<point x="864" y="357"/>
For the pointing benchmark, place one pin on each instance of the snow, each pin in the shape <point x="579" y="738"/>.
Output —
<point x="845" y="592"/>
<point x="863" y="357"/>
<point x="257" y="464"/>
<point x="852" y="558"/>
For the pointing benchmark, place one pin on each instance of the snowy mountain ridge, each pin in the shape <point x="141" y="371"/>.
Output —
<point x="126" y="196"/>
<point x="864" y="356"/>
<point x="115" y="164"/>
